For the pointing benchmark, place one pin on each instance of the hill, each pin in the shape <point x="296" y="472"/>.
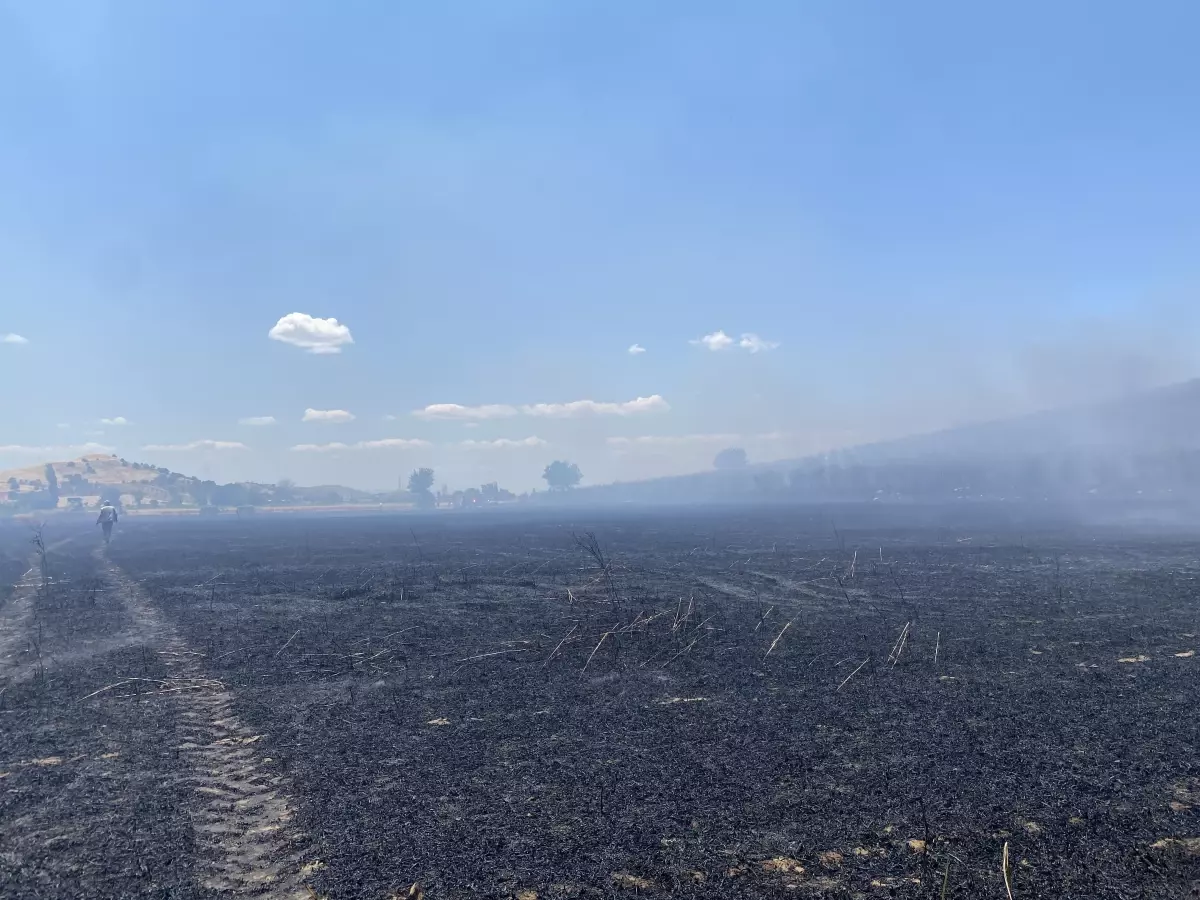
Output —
<point x="88" y="480"/>
<point x="1143" y="446"/>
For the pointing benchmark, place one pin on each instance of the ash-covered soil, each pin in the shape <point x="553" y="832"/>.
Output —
<point x="709" y="704"/>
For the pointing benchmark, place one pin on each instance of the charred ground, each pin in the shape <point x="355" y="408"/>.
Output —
<point x="710" y="704"/>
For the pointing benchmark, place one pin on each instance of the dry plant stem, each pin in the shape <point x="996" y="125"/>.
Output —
<point x="898" y="647"/>
<point x="684" y="650"/>
<point x="1006" y="869"/>
<point x="777" y="638"/>
<point x="936" y="647"/>
<point x="852" y="674"/>
<point x="288" y="644"/>
<point x="763" y="619"/>
<point x="559" y="645"/>
<point x="603" y="637"/>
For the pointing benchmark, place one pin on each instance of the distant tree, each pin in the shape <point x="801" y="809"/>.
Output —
<point x="285" y="490"/>
<point x="420" y="481"/>
<point x="490" y="491"/>
<point x="52" y="484"/>
<point x="730" y="458"/>
<point x="230" y="495"/>
<point x="561" y="475"/>
<point x="13" y="484"/>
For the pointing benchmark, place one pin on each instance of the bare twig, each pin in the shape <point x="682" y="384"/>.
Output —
<point x="1006" y="870"/>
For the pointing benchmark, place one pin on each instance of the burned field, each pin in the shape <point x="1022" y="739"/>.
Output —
<point x="697" y="705"/>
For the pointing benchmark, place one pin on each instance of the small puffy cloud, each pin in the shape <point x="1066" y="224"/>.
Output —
<point x="257" y="420"/>
<point x="717" y="340"/>
<point x="13" y="339"/>
<point x="321" y="336"/>
<point x="195" y="445"/>
<point x="636" y="350"/>
<point x="331" y="416"/>
<point x="755" y="344"/>
<point x="503" y="444"/>
<point x="383" y="444"/>
<point x="458" y="411"/>
<point x="652" y="404"/>
<point x="116" y="420"/>
<point x="63" y="425"/>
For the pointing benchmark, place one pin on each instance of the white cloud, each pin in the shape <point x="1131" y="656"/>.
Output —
<point x="392" y="444"/>
<point x="668" y="440"/>
<point x="503" y="444"/>
<point x="749" y="341"/>
<point x="56" y="451"/>
<point x="13" y="339"/>
<point x="755" y="344"/>
<point x="653" y="403"/>
<point x="333" y="416"/>
<point x="116" y="420"/>
<point x="675" y="440"/>
<point x="257" y="420"/>
<point x="196" y="445"/>
<point x="384" y="444"/>
<point x="322" y="336"/>
<point x="63" y="425"/>
<point x="636" y="349"/>
<point x="457" y="411"/>
<point x="717" y="340"/>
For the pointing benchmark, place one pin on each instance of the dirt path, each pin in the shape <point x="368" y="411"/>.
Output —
<point x="242" y="815"/>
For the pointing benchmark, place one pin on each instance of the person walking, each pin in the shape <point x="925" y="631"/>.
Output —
<point x="107" y="519"/>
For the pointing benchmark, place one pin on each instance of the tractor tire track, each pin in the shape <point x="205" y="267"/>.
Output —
<point x="15" y="618"/>
<point x="242" y="815"/>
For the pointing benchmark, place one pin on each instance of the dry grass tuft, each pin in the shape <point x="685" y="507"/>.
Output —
<point x="830" y="859"/>
<point x="636" y="882"/>
<point x="782" y="865"/>
<point x="1184" y="846"/>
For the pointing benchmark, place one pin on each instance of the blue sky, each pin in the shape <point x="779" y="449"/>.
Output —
<point x="928" y="213"/>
